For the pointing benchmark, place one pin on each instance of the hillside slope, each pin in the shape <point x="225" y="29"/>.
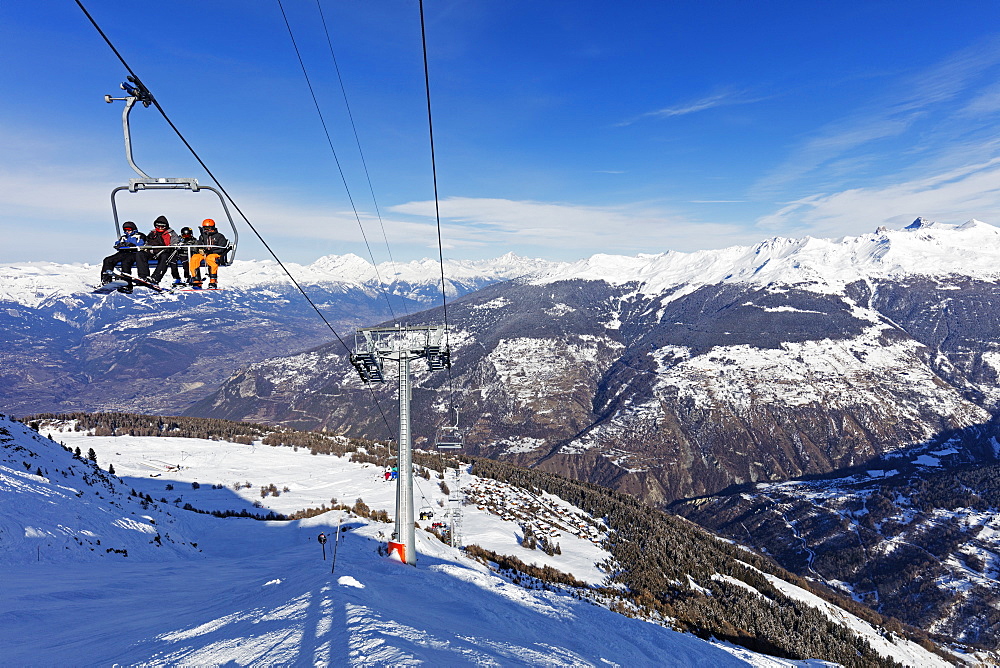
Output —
<point x="915" y="535"/>
<point x="260" y="591"/>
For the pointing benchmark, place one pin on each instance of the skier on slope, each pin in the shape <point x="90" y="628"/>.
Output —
<point x="127" y="252"/>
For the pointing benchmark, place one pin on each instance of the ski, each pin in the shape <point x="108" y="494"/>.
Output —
<point x="110" y="287"/>
<point x="140" y="281"/>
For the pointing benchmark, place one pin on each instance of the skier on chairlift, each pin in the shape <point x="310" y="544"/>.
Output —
<point x="127" y="252"/>
<point x="212" y="249"/>
<point x="164" y="237"/>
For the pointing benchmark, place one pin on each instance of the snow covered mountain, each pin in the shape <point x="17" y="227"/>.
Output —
<point x="64" y="348"/>
<point x="91" y="576"/>
<point x="676" y="375"/>
<point x="671" y="376"/>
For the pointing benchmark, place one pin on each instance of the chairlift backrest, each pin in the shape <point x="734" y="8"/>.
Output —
<point x="192" y="185"/>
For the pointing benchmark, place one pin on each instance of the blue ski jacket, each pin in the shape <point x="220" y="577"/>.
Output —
<point x="131" y="241"/>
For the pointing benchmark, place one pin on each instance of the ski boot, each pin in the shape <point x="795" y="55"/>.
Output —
<point x="106" y="278"/>
<point x="195" y="282"/>
<point x="213" y="281"/>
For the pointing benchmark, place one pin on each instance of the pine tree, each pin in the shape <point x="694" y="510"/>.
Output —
<point x="91" y="455"/>
<point x="111" y="469"/>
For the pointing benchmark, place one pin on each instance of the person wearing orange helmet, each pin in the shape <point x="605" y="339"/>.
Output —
<point x="211" y="248"/>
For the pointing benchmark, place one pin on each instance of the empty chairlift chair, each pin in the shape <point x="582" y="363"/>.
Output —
<point x="449" y="438"/>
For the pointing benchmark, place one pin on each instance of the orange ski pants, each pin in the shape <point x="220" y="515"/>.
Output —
<point x="211" y="259"/>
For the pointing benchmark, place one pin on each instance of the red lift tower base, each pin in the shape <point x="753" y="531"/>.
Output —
<point x="397" y="551"/>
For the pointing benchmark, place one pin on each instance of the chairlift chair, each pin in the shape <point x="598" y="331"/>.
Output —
<point x="450" y="437"/>
<point x="137" y="92"/>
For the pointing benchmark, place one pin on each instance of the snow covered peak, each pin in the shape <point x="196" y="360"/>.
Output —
<point x="920" y="223"/>
<point x="923" y="248"/>
<point x="348" y="268"/>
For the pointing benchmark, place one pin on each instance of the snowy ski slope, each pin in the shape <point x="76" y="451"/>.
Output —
<point x="246" y="592"/>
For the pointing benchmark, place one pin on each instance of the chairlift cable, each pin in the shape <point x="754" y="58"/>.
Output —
<point x="357" y="140"/>
<point x="219" y="185"/>
<point x="437" y="205"/>
<point x="336" y="159"/>
<point x="420" y="491"/>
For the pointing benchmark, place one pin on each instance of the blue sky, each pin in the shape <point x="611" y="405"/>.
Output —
<point x="562" y="129"/>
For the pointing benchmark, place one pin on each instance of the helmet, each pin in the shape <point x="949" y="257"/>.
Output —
<point x="186" y="231"/>
<point x="160" y="223"/>
<point x="208" y="222"/>
<point x="129" y="225"/>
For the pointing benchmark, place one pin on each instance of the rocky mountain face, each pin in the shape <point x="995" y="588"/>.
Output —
<point x="703" y="382"/>
<point x="66" y="349"/>
<point x="680" y="375"/>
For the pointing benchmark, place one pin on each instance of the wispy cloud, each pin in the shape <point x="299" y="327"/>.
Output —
<point x="972" y="191"/>
<point x="568" y="228"/>
<point x="986" y="103"/>
<point x="722" y="98"/>
<point x="926" y="99"/>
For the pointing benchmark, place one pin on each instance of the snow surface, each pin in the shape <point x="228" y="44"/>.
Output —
<point x="246" y="592"/>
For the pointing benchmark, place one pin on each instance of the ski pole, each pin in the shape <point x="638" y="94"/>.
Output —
<point x="336" y="544"/>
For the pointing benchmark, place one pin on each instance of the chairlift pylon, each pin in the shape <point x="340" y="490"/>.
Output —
<point x="135" y="91"/>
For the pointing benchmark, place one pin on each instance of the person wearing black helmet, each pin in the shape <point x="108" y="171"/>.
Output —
<point x="185" y="249"/>
<point x="127" y="252"/>
<point x="160" y="244"/>
<point x="212" y="249"/>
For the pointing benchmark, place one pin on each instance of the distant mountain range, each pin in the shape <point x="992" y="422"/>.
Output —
<point x="63" y="348"/>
